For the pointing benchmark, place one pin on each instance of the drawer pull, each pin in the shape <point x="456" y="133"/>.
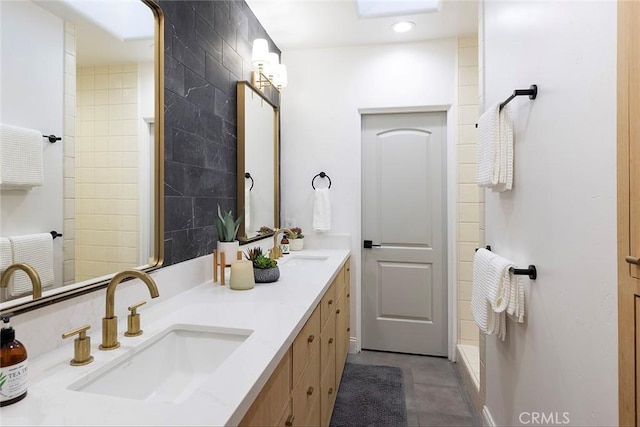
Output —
<point x="348" y="295"/>
<point x="311" y="338"/>
<point x="330" y="340"/>
<point x="309" y="391"/>
<point x="338" y="311"/>
<point x="348" y="329"/>
<point x="633" y="260"/>
<point x="289" y="421"/>
<point x="330" y="391"/>
<point x="330" y="302"/>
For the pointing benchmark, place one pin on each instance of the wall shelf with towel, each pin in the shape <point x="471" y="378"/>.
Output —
<point x="321" y="175"/>
<point x="532" y="271"/>
<point x="532" y="93"/>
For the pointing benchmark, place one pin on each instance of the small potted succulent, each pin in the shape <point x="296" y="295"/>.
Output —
<point x="265" y="269"/>
<point x="227" y="228"/>
<point x="296" y="239"/>
<point x="264" y="230"/>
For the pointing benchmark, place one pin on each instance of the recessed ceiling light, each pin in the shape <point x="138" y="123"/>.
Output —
<point x="403" y="27"/>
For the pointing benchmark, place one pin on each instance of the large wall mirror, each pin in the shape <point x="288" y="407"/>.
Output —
<point x="258" y="162"/>
<point x="89" y="72"/>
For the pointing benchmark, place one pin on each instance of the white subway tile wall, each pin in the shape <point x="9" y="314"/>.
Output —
<point x="68" y="141"/>
<point x="106" y="183"/>
<point x="469" y="194"/>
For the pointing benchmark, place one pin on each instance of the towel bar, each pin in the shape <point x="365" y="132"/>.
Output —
<point x="321" y="175"/>
<point x="52" y="138"/>
<point x="532" y="271"/>
<point x="532" y="92"/>
<point x="55" y="234"/>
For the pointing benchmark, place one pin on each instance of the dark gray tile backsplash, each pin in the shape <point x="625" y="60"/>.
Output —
<point x="207" y="50"/>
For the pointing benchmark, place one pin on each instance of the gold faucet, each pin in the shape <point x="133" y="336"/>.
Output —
<point x="110" y="321"/>
<point x="276" y="252"/>
<point x="31" y="272"/>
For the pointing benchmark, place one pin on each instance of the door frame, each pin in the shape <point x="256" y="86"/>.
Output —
<point x="452" y="214"/>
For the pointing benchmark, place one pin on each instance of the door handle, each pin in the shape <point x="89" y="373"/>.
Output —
<point x="368" y="244"/>
<point x="633" y="260"/>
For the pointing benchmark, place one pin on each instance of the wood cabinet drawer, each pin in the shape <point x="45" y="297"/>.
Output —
<point x="305" y="343"/>
<point x="287" y="419"/>
<point x="328" y="344"/>
<point x="313" y="416"/>
<point x="328" y="392"/>
<point x="328" y="304"/>
<point x="307" y="392"/>
<point x="274" y="396"/>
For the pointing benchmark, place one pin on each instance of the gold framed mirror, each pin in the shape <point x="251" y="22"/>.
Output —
<point x="258" y="168"/>
<point x="99" y="85"/>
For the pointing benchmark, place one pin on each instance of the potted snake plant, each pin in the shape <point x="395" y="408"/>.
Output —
<point x="227" y="228"/>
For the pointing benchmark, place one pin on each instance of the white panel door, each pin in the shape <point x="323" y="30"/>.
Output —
<point x="404" y="280"/>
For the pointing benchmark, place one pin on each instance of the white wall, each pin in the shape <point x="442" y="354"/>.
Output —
<point x="32" y="78"/>
<point x="561" y="214"/>
<point x="321" y="124"/>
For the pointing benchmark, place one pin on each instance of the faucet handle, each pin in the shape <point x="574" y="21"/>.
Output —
<point x="133" y="321"/>
<point x="81" y="346"/>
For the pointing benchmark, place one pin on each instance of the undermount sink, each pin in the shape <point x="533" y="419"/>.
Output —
<point x="168" y="367"/>
<point x="304" y="261"/>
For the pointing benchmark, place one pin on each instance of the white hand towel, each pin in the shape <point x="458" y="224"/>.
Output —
<point x="487" y="170"/>
<point x="21" y="158"/>
<point x="6" y="256"/>
<point x="247" y="211"/>
<point x="321" y="210"/>
<point x="37" y="251"/>
<point x="506" y="150"/>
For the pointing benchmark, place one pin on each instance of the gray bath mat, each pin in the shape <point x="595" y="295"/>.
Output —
<point x="370" y="396"/>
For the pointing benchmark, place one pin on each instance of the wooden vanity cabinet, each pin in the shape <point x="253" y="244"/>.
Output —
<point x="314" y="364"/>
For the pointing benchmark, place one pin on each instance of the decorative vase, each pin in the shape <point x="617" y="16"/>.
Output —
<point x="230" y="250"/>
<point x="266" y="275"/>
<point x="296" y="244"/>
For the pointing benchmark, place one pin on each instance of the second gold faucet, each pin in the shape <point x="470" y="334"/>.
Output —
<point x="110" y="321"/>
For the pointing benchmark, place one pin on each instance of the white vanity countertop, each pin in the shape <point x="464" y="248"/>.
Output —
<point x="275" y="312"/>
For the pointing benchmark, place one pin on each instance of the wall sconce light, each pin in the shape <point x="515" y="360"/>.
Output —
<point x="267" y="68"/>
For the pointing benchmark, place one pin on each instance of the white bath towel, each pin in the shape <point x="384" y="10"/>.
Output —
<point x="37" y="251"/>
<point x="247" y="210"/>
<point x="6" y="256"/>
<point x="505" y="124"/>
<point x="480" y="307"/>
<point x="321" y="210"/>
<point x="21" y="158"/>
<point x="495" y="292"/>
<point x="487" y="167"/>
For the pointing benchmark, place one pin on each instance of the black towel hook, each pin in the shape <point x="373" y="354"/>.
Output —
<point x="321" y="175"/>
<point x="248" y="176"/>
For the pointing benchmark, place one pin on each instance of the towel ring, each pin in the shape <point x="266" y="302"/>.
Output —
<point x="248" y="175"/>
<point x="321" y="175"/>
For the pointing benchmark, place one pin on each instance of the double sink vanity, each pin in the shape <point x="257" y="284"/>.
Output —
<point x="272" y="355"/>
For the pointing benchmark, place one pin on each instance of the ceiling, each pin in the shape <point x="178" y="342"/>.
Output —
<point x="307" y="24"/>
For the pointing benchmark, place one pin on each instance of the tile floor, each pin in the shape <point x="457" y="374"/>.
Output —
<point x="434" y="392"/>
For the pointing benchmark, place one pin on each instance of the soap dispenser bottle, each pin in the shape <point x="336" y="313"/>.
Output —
<point x="13" y="366"/>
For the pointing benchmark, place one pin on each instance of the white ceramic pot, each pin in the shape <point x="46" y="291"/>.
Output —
<point x="230" y="250"/>
<point x="296" y="244"/>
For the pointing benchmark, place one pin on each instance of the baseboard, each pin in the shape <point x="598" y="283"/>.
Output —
<point x="487" y="419"/>
<point x="353" y="349"/>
